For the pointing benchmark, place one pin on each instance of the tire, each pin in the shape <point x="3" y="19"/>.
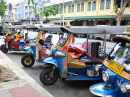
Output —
<point x="44" y="76"/>
<point x="28" y="60"/>
<point x="4" y="49"/>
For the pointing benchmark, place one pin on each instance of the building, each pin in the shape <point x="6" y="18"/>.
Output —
<point x="89" y="12"/>
<point x="24" y="13"/>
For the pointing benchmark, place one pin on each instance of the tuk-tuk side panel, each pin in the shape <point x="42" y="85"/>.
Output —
<point x="13" y="44"/>
<point x="67" y="44"/>
<point x="79" y="71"/>
<point x="118" y="81"/>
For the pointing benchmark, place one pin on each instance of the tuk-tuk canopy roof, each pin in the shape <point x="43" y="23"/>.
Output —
<point x="51" y="28"/>
<point x="15" y="27"/>
<point x="36" y="26"/>
<point x="95" y="29"/>
<point x="121" y="39"/>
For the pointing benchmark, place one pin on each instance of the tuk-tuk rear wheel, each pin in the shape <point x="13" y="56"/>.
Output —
<point x="28" y="60"/>
<point x="45" y="76"/>
<point x="4" y="49"/>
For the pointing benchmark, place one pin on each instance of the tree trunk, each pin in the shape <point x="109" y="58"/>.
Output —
<point x="120" y="13"/>
<point x="35" y="14"/>
<point x="119" y="17"/>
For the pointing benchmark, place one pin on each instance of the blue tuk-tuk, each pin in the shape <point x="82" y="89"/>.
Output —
<point x="115" y="70"/>
<point x="73" y="63"/>
<point x="39" y="48"/>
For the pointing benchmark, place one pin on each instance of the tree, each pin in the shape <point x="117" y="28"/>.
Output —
<point x="48" y="11"/>
<point x="29" y="2"/>
<point x="3" y="7"/>
<point x="121" y="11"/>
<point x="35" y="12"/>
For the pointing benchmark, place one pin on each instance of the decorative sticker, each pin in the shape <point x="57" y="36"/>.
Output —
<point x="116" y="67"/>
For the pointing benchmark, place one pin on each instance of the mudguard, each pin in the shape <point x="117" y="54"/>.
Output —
<point x="100" y="90"/>
<point x="30" y="49"/>
<point x="51" y="60"/>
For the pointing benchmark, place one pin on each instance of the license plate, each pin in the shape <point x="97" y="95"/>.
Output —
<point x="57" y="45"/>
<point x="116" y="67"/>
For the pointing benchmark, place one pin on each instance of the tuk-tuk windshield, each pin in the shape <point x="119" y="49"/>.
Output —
<point x="63" y="39"/>
<point x="121" y="54"/>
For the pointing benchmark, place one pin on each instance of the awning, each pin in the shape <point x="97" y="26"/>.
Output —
<point x="59" y="21"/>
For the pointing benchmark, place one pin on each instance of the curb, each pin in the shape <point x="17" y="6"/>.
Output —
<point x="24" y="78"/>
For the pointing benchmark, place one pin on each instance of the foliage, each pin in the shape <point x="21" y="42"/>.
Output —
<point x="119" y="13"/>
<point x="30" y="1"/>
<point x="48" y="11"/>
<point x="3" y="7"/>
<point x="35" y="12"/>
<point x="2" y="21"/>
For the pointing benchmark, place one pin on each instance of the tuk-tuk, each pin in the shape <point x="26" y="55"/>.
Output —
<point x="115" y="70"/>
<point x="11" y="41"/>
<point x="72" y="63"/>
<point x="64" y="65"/>
<point x="39" y="49"/>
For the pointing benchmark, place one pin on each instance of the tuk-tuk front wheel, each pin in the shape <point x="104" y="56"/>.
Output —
<point x="28" y="60"/>
<point x="4" y="49"/>
<point x="46" y="77"/>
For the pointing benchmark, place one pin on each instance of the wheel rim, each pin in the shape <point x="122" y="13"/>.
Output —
<point x="47" y="76"/>
<point x="27" y="61"/>
<point x="3" y="48"/>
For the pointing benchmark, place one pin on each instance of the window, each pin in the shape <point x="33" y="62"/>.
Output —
<point x="26" y="8"/>
<point x="102" y="5"/>
<point x="69" y="7"/>
<point x="61" y="10"/>
<point x="26" y="14"/>
<point x="94" y="5"/>
<point x="108" y="3"/>
<point x="78" y="7"/>
<point x="121" y="54"/>
<point x="72" y="8"/>
<point x="118" y="3"/>
<point x="89" y="6"/>
<point x="64" y="9"/>
<point x="82" y="7"/>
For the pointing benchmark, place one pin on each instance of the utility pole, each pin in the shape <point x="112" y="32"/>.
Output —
<point x="63" y="12"/>
<point x="42" y="10"/>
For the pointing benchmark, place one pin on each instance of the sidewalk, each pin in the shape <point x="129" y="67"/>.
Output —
<point x="25" y="86"/>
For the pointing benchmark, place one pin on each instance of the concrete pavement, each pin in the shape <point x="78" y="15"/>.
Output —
<point x="25" y="86"/>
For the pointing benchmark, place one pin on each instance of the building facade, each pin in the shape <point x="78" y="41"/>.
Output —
<point x="90" y="12"/>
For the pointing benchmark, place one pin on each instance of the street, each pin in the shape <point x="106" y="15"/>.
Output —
<point x="60" y="88"/>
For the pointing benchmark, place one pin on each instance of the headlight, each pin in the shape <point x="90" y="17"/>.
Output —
<point x="105" y="76"/>
<point x="98" y="67"/>
<point x="59" y="54"/>
<point x="125" y="87"/>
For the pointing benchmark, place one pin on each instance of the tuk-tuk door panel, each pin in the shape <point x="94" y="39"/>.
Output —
<point x="66" y="45"/>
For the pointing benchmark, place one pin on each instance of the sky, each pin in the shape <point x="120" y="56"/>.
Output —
<point x="13" y="1"/>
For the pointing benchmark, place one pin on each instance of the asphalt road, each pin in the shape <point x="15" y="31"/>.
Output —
<point x="60" y="88"/>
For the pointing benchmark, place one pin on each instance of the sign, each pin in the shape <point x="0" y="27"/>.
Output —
<point x="116" y="67"/>
<point x="10" y="7"/>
